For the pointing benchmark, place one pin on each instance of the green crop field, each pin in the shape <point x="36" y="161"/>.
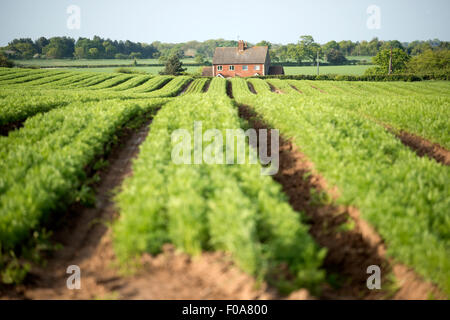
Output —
<point x="349" y="70"/>
<point x="101" y="65"/>
<point x="344" y="169"/>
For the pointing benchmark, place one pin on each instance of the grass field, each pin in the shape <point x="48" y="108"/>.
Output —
<point x="346" y="174"/>
<point x="95" y="66"/>
<point x="348" y="70"/>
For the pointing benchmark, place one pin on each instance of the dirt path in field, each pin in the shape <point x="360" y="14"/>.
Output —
<point x="295" y="88"/>
<point x="87" y="242"/>
<point x="352" y="244"/>
<point x="321" y="90"/>
<point x="274" y="89"/>
<point x="423" y="147"/>
<point x="7" y="128"/>
<point x="251" y="87"/>
<point x="206" y="86"/>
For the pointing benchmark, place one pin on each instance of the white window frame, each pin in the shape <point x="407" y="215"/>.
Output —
<point x="257" y="67"/>
<point x="231" y="68"/>
<point x="245" y="68"/>
<point x="219" y="68"/>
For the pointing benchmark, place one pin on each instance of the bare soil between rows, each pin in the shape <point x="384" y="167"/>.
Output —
<point x="350" y="251"/>
<point x="423" y="147"/>
<point x="7" y="128"/>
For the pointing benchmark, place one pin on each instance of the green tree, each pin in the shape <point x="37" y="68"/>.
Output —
<point x="264" y="43"/>
<point x="60" y="47"/>
<point x="335" y="56"/>
<point x="331" y="45"/>
<point x="295" y="53"/>
<point x="135" y="55"/>
<point x="309" y="49"/>
<point x="173" y="66"/>
<point x="430" y="61"/>
<point x="5" y="63"/>
<point x="94" y="53"/>
<point x="199" y="58"/>
<point x="41" y="43"/>
<point x="399" y="60"/>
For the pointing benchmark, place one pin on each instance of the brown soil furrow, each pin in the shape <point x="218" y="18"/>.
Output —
<point x="229" y="90"/>
<point x="7" y="128"/>
<point x="423" y="147"/>
<point x="350" y="250"/>
<point x="251" y="88"/>
<point x="314" y="87"/>
<point x="295" y="88"/>
<point x="274" y="89"/>
<point x="206" y="86"/>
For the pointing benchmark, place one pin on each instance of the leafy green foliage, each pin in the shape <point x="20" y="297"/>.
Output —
<point x="430" y="60"/>
<point x="43" y="163"/>
<point x="399" y="60"/>
<point x="201" y="207"/>
<point x="197" y="86"/>
<point x="173" y="67"/>
<point x="406" y="198"/>
<point x="5" y="63"/>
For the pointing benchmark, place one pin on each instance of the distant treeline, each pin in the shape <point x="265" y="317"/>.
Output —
<point x="305" y="51"/>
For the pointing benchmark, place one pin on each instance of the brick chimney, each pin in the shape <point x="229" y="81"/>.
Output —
<point x="242" y="46"/>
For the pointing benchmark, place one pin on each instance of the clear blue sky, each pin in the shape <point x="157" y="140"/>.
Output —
<point x="279" y="21"/>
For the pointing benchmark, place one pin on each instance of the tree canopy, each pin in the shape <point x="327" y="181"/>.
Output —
<point x="173" y="66"/>
<point x="304" y="51"/>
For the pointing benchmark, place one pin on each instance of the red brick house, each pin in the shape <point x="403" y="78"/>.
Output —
<point x="241" y="61"/>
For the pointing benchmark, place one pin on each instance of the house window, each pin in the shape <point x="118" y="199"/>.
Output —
<point x="245" y="68"/>
<point x="219" y="68"/>
<point x="257" y="67"/>
<point x="231" y="68"/>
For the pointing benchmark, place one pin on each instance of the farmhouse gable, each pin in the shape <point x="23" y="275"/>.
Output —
<point x="241" y="61"/>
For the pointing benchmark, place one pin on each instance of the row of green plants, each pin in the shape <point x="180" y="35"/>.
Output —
<point x="405" y="197"/>
<point x="421" y="109"/>
<point x="21" y="78"/>
<point x="118" y="79"/>
<point x="51" y="79"/>
<point x="197" y="86"/>
<point x="133" y="82"/>
<point x="152" y="84"/>
<point x="43" y="163"/>
<point x="71" y="80"/>
<point x="171" y="89"/>
<point x="231" y="208"/>
<point x="441" y="75"/>
<point x="16" y="105"/>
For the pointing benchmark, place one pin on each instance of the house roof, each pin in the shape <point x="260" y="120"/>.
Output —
<point x="232" y="55"/>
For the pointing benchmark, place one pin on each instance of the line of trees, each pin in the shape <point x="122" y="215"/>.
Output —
<point x="305" y="51"/>
<point x="398" y="61"/>
<point x="83" y="48"/>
